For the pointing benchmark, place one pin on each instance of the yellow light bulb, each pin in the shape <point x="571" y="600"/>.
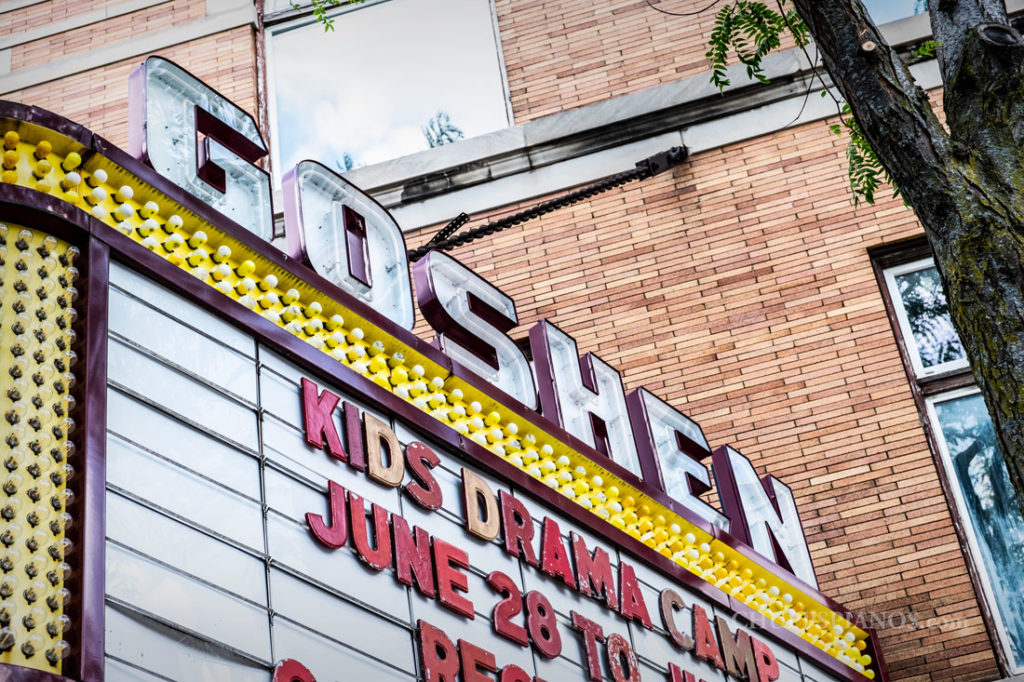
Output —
<point x="245" y="268"/>
<point x="71" y="161"/>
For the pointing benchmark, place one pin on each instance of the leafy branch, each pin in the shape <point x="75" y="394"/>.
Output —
<point x="925" y="50"/>
<point x="320" y="8"/>
<point x="748" y="30"/>
<point x="866" y="171"/>
<point x="440" y="130"/>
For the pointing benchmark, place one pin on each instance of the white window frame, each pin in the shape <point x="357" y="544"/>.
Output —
<point x="920" y="371"/>
<point x="967" y="522"/>
<point x="298" y="19"/>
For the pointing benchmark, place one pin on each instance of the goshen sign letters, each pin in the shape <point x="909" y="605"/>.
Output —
<point x="354" y="242"/>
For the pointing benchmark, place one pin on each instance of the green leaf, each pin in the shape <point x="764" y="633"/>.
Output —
<point x="925" y="50"/>
<point x="748" y="30"/>
<point x="320" y="8"/>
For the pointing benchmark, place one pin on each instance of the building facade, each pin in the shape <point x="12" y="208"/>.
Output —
<point x="742" y="286"/>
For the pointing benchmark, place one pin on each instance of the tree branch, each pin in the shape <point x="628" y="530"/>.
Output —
<point x="892" y="110"/>
<point x="983" y="74"/>
<point x="951" y="22"/>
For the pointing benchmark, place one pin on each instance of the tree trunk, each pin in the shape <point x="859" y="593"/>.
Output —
<point x="965" y="184"/>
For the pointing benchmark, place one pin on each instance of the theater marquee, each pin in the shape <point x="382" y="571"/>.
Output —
<point x="228" y="461"/>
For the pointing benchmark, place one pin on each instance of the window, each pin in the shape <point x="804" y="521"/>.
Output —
<point x="985" y="502"/>
<point x="977" y="477"/>
<point x="920" y="305"/>
<point x="393" y="77"/>
<point x="884" y="11"/>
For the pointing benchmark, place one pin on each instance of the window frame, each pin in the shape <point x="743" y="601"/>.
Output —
<point x="967" y="524"/>
<point x="920" y="371"/>
<point x="283" y="21"/>
<point x="932" y="389"/>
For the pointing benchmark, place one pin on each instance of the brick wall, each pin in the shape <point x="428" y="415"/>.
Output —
<point x="740" y="289"/>
<point x="102" y="33"/>
<point x="561" y="55"/>
<point x="99" y="99"/>
<point x="41" y="14"/>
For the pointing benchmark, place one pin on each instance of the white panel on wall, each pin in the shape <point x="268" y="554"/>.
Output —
<point x="179" y="308"/>
<point x="116" y="671"/>
<point x="194" y="401"/>
<point x="171" y="340"/>
<point x="142" y="643"/>
<point x="195" y="606"/>
<point x="187" y="447"/>
<point x="328" y="661"/>
<point x="183" y="493"/>
<point x="171" y="542"/>
<point x="372" y="634"/>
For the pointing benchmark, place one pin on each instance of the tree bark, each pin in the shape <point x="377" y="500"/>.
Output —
<point x="964" y="183"/>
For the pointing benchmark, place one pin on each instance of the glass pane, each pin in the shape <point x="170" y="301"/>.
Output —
<point x="884" y="11"/>
<point x="342" y="621"/>
<point x="387" y="78"/>
<point x="189" y="448"/>
<point x="988" y="501"/>
<point x="329" y="661"/>
<point x="180" y="492"/>
<point x="928" y="316"/>
<point x="180" y="309"/>
<point x="186" y="549"/>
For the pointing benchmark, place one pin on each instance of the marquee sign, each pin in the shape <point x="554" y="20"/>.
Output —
<point x="570" y="486"/>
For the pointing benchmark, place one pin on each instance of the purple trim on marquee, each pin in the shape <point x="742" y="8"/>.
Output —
<point x="92" y="535"/>
<point x="137" y="257"/>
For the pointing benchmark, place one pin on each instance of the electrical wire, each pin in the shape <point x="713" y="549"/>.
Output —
<point x="683" y="14"/>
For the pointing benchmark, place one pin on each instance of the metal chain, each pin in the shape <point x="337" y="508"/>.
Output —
<point x="449" y="229"/>
<point x="644" y="169"/>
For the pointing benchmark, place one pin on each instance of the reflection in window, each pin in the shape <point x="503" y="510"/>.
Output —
<point x="987" y="502"/>
<point x="884" y="11"/>
<point x="392" y="78"/>
<point x="921" y="308"/>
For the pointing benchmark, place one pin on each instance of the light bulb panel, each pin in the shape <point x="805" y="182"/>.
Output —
<point x="35" y="448"/>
